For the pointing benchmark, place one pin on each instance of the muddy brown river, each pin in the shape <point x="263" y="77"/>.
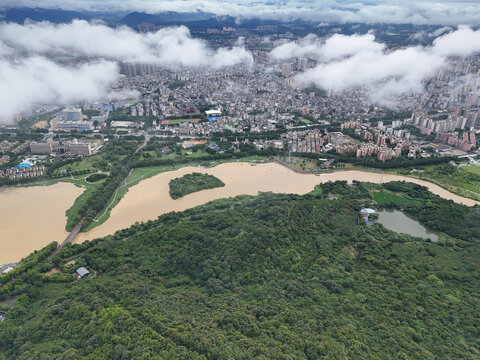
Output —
<point x="32" y="217"/>
<point x="150" y="198"/>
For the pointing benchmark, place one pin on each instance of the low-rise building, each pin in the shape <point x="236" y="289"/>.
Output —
<point x="73" y="147"/>
<point x="81" y="273"/>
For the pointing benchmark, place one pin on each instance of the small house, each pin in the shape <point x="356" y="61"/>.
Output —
<point x="82" y="273"/>
<point x="366" y="212"/>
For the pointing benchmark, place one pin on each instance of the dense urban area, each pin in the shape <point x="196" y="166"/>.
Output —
<point x="256" y="107"/>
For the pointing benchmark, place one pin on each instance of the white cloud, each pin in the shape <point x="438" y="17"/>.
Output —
<point x="346" y="62"/>
<point x="462" y="42"/>
<point x="170" y="47"/>
<point x="336" y="46"/>
<point x="446" y="12"/>
<point x="37" y="80"/>
<point x="5" y="50"/>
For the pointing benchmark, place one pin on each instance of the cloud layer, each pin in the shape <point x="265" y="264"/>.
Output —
<point x="335" y="47"/>
<point x="447" y="12"/>
<point x="346" y="62"/>
<point x="30" y="75"/>
<point x="170" y="47"/>
<point x="37" y="78"/>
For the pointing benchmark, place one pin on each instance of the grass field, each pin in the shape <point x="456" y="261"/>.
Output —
<point x="79" y="180"/>
<point x="192" y="155"/>
<point x="86" y="163"/>
<point x="185" y="153"/>
<point x="80" y="201"/>
<point x="179" y="121"/>
<point x="461" y="181"/>
<point x="383" y="198"/>
<point x="317" y="190"/>
<point x="472" y="169"/>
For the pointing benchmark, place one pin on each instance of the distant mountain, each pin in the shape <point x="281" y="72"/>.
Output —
<point x="213" y="22"/>
<point x="58" y="16"/>
<point x="198" y="22"/>
<point x="136" y="18"/>
<point x="166" y="18"/>
<point x="19" y="15"/>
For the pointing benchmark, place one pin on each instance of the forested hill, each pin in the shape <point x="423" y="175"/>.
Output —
<point x="266" y="277"/>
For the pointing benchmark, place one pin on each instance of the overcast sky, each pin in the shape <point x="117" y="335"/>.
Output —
<point x="446" y="12"/>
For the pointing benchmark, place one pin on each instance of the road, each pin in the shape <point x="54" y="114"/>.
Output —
<point x="78" y="227"/>
<point x="69" y="238"/>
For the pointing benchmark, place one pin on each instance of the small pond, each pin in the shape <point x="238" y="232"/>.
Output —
<point x="397" y="221"/>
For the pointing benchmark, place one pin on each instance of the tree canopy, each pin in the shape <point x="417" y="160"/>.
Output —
<point x="264" y="277"/>
<point x="190" y="183"/>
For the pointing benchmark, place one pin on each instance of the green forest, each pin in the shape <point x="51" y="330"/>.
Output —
<point x="258" y="277"/>
<point x="190" y="183"/>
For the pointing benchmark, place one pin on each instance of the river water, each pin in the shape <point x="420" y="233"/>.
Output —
<point x="397" y="221"/>
<point x="150" y="198"/>
<point x="32" y="217"/>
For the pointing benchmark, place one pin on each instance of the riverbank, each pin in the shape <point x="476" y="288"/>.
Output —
<point x="35" y="216"/>
<point x="137" y="175"/>
<point x="299" y="165"/>
<point x="150" y="198"/>
<point x="461" y="180"/>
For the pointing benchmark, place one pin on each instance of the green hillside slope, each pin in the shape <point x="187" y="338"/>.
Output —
<point x="266" y="277"/>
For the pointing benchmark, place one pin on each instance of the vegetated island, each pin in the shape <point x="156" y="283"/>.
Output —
<point x="191" y="183"/>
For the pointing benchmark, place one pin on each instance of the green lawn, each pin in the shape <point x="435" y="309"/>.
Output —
<point x="460" y="181"/>
<point x="382" y="198"/>
<point x="472" y="169"/>
<point x="196" y="154"/>
<point x="73" y="216"/>
<point x="86" y="163"/>
<point x="317" y="190"/>
<point x="179" y="121"/>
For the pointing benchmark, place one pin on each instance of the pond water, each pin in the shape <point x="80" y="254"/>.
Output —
<point x="400" y="223"/>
